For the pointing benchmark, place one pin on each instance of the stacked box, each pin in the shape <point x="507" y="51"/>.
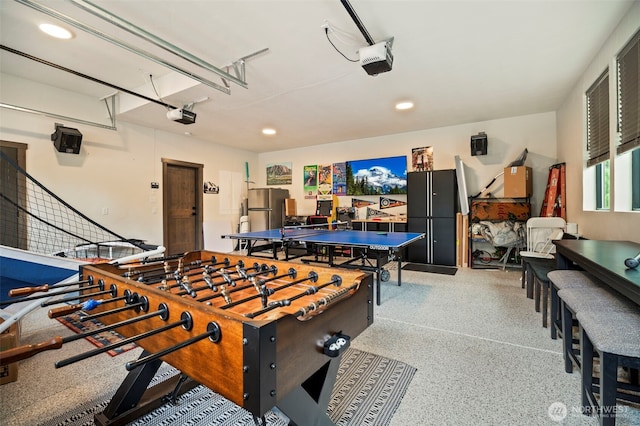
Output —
<point x="9" y="339"/>
<point x="518" y="182"/>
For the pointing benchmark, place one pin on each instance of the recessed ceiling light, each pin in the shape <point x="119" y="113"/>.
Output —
<point x="404" y="105"/>
<point x="55" y="31"/>
<point x="268" y="131"/>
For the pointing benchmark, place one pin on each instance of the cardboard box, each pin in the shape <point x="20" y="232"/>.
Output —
<point x="9" y="339"/>
<point x="518" y="182"/>
<point x="290" y="207"/>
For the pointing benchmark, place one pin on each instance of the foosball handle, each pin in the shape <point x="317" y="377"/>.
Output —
<point x="64" y="310"/>
<point x="26" y="291"/>
<point x="27" y="351"/>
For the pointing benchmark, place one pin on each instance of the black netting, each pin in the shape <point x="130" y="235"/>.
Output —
<point x="33" y="218"/>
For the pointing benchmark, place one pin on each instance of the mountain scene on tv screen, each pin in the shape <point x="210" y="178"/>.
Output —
<point x="376" y="177"/>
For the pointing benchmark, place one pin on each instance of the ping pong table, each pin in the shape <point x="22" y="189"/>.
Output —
<point x="368" y="251"/>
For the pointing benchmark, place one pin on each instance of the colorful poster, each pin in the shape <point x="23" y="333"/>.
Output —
<point x="279" y="174"/>
<point x="325" y="178"/>
<point x="340" y="179"/>
<point x="422" y="159"/>
<point x="310" y="186"/>
<point x="360" y="203"/>
<point x="387" y="203"/>
<point x="377" y="176"/>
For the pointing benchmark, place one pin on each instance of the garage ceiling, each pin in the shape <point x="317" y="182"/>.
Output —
<point x="458" y="61"/>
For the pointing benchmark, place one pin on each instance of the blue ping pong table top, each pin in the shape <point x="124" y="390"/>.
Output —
<point x="386" y="240"/>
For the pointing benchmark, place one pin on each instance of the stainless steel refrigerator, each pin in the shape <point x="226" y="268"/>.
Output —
<point x="266" y="208"/>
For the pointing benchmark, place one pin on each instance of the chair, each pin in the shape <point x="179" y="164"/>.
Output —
<point x="243" y="245"/>
<point x="541" y="232"/>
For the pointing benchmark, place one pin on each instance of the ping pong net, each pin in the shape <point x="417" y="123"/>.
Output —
<point x="301" y="231"/>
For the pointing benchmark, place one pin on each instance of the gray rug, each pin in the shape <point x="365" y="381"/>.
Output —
<point x="368" y="390"/>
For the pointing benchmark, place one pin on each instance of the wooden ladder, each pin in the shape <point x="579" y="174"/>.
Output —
<point x="554" y="203"/>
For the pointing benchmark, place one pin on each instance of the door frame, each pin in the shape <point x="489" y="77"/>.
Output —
<point x="166" y="163"/>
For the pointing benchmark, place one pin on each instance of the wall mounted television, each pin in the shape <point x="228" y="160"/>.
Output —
<point x="377" y="176"/>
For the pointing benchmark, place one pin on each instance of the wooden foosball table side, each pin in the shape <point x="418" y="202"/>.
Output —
<point x="257" y="363"/>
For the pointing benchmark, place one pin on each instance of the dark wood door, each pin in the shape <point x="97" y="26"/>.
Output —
<point x="13" y="222"/>
<point x="182" y="206"/>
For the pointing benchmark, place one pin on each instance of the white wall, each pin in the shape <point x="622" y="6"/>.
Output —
<point x="507" y="137"/>
<point x="572" y="142"/>
<point x="114" y="169"/>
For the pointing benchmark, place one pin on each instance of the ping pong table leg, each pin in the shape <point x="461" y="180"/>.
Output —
<point x="378" y="278"/>
<point x="399" y="270"/>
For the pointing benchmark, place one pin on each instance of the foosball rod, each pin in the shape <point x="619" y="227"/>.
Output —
<point x="156" y="278"/>
<point x="326" y="300"/>
<point x="154" y="261"/>
<point x="213" y="285"/>
<point x="42" y="296"/>
<point x="186" y="321"/>
<point x="266" y="292"/>
<point x="208" y="279"/>
<point x="161" y="272"/>
<point x="26" y="291"/>
<point x="27" y="351"/>
<point x="113" y="290"/>
<point x="335" y="279"/>
<point x="213" y="333"/>
<point x="85" y="306"/>
<point x="136" y="302"/>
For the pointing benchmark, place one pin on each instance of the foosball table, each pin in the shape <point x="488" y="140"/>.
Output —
<point x="262" y="335"/>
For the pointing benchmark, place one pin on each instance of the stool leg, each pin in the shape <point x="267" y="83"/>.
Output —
<point x="608" y="388"/>
<point x="529" y="282"/>
<point x="554" y="312"/>
<point x="545" y="302"/>
<point x="588" y="398"/>
<point x="536" y="284"/>
<point x="567" y="337"/>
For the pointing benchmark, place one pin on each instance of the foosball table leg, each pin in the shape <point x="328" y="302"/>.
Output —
<point x="133" y="398"/>
<point x="307" y="404"/>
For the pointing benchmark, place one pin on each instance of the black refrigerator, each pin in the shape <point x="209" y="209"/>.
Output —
<point x="432" y="204"/>
<point x="265" y="207"/>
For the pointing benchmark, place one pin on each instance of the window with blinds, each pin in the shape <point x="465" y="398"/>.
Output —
<point x="629" y="95"/>
<point x="598" y="120"/>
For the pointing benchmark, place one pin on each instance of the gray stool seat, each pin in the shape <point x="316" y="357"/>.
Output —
<point x="574" y="300"/>
<point x="586" y="298"/>
<point x="615" y="336"/>
<point x="613" y="332"/>
<point x="561" y="279"/>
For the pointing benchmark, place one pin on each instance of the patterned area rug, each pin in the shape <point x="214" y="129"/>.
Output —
<point x="368" y="390"/>
<point x="105" y="338"/>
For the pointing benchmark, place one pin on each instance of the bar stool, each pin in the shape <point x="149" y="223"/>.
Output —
<point x="575" y="300"/>
<point x="616" y="338"/>
<point x="538" y="270"/>
<point x="561" y="279"/>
